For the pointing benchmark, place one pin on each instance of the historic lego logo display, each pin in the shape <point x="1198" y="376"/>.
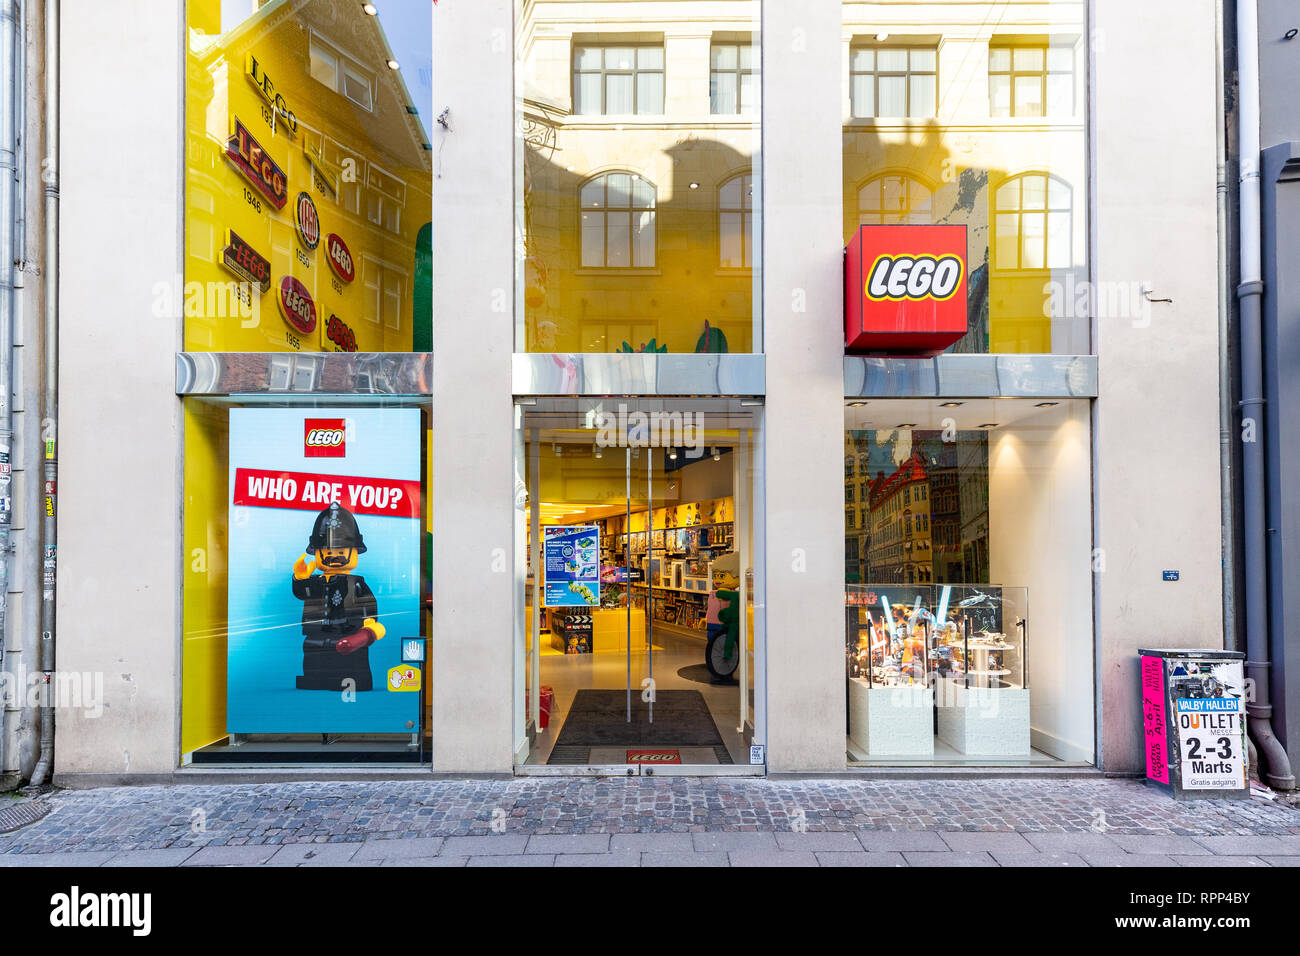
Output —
<point x="248" y="156"/>
<point x="324" y="575"/>
<point x="297" y="306"/>
<point x="905" y="290"/>
<point x="339" y="257"/>
<point x="246" y="262"/>
<point x="308" y="222"/>
<point x="324" y="438"/>
<point x="257" y="76"/>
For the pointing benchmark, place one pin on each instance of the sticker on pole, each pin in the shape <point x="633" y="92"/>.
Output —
<point x="1210" y="714"/>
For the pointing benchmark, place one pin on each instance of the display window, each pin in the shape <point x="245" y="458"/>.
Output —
<point x="638" y="644"/>
<point x="306" y="587"/>
<point x="308" y="177"/>
<point x="639" y="177"/>
<point x="961" y="516"/>
<point x="974" y="115"/>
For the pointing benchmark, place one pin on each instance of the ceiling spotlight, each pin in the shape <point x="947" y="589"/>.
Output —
<point x="1048" y="404"/>
<point x="856" y="404"/>
<point x="556" y="448"/>
<point x="717" y="455"/>
<point x="695" y="185"/>
<point x="672" y="453"/>
<point x="906" y="425"/>
<point x="951" y="404"/>
<point x="989" y="425"/>
<point x="596" y="451"/>
<point x="368" y="9"/>
<point x="392" y="64"/>
<point x="882" y="37"/>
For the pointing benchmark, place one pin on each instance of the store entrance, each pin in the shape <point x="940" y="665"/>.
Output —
<point x="638" y="638"/>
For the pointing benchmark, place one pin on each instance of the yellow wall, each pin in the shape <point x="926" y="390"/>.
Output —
<point x="203" y="654"/>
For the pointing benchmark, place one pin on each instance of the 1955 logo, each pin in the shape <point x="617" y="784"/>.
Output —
<point x="324" y="438"/>
<point x="296" y="305"/>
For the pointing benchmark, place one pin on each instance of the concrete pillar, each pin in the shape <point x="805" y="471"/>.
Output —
<point x="803" y="338"/>
<point x="473" y="423"/>
<point x="1156" y="426"/>
<point x="119" y="439"/>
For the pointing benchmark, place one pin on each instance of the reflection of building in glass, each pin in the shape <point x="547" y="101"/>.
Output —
<point x="639" y="206"/>
<point x="311" y="85"/>
<point x="925" y="520"/>
<point x="975" y="116"/>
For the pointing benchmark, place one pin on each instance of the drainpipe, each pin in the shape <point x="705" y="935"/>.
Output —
<point x="8" y="224"/>
<point x="1254" y="495"/>
<point x="50" y="407"/>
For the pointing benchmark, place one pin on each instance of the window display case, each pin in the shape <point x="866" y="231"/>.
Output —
<point x="945" y="661"/>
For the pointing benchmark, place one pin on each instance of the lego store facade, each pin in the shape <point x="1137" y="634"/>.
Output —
<point x="709" y="387"/>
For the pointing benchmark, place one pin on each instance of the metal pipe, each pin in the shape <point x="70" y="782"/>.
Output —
<point x="1254" y="496"/>
<point x="1227" y="379"/>
<point x="8" y="227"/>
<point x="50" y="407"/>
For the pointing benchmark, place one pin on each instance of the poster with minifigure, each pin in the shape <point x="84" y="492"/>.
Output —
<point x="324" y="569"/>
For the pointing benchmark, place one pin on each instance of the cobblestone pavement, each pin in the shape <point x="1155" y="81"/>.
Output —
<point x="646" y="821"/>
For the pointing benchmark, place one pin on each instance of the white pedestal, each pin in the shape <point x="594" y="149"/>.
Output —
<point x="984" y="722"/>
<point x="891" y="721"/>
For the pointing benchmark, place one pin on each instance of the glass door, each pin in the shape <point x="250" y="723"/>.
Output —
<point x="637" y="645"/>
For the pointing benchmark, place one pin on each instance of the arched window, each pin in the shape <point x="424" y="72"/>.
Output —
<point x="618" y="222"/>
<point x="894" y="199"/>
<point x="736" y="222"/>
<point x="1033" y="223"/>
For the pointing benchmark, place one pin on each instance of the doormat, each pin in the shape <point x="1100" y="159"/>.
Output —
<point x="654" y="756"/>
<point x="598" y="718"/>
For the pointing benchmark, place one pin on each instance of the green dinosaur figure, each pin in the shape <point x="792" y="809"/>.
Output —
<point x="712" y="340"/>
<point x="645" y="347"/>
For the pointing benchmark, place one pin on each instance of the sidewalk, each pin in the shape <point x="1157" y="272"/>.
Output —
<point x="646" y="822"/>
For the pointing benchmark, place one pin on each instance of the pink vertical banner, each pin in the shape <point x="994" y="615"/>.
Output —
<point x="1153" y="719"/>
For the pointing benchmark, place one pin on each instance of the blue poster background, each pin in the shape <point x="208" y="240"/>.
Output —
<point x="572" y="557"/>
<point x="264" y="648"/>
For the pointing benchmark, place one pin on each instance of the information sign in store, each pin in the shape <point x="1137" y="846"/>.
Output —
<point x="572" y="565"/>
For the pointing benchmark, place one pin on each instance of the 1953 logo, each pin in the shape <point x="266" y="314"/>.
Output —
<point x="339" y="257"/>
<point x="296" y="305"/>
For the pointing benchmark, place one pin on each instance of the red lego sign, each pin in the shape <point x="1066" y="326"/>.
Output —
<point x="324" y="438"/>
<point x="904" y="290"/>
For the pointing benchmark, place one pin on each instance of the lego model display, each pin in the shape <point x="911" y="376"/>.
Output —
<point x="961" y="647"/>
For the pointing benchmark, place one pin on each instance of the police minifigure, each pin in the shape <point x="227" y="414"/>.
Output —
<point x="339" y="611"/>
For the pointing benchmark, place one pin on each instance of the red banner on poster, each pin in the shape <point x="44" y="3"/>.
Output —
<point x="393" y="497"/>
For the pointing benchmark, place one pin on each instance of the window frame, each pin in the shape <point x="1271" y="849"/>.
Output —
<point x="604" y="71"/>
<point x="632" y="209"/>
<point x="739" y="71"/>
<point x="344" y="65"/>
<point x="906" y="74"/>
<point x="1046" y="46"/>
<point x="1020" y="211"/>
<point x="747" y="211"/>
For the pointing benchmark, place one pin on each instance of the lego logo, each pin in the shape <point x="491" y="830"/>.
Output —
<point x="326" y="437"/>
<point x="898" y="278"/>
